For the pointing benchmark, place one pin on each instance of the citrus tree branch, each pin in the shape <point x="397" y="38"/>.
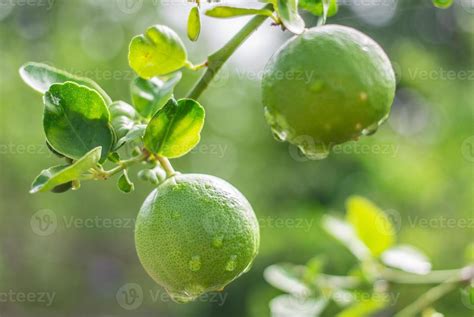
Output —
<point x="218" y="59"/>
<point x="432" y="295"/>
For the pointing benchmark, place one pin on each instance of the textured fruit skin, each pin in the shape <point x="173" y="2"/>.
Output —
<point x="348" y="86"/>
<point x="196" y="233"/>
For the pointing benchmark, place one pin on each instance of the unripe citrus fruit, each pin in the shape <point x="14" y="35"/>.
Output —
<point x="327" y="86"/>
<point x="195" y="234"/>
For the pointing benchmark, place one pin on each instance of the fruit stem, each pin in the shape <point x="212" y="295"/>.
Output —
<point x="165" y="163"/>
<point x="218" y="59"/>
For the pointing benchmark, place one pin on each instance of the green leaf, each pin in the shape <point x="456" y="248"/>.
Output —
<point x="123" y="118"/>
<point x="288" y="278"/>
<point x="365" y="308"/>
<point x="175" y="129"/>
<point x="41" y="76"/>
<point x="159" y="51"/>
<point x="136" y="133"/>
<point x="345" y="234"/>
<point x="76" y="120"/>
<point x="442" y="4"/>
<point x="149" y="96"/>
<point x="194" y="24"/>
<point x="54" y="177"/>
<point x="124" y="183"/>
<point x="114" y="157"/>
<point x="316" y="7"/>
<point x="371" y="224"/>
<point x="224" y="12"/>
<point x="288" y="12"/>
<point x="407" y="258"/>
<point x="291" y="306"/>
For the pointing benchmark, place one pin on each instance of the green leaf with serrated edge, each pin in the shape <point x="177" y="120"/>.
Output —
<point x="175" y="129"/>
<point x="41" y="76"/>
<point x="371" y="224"/>
<point x="225" y="12"/>
<point x="194" y="24"/>
<point x="124" y="183"/>
<point x="135" y="134"/>
<point x="159" y="51"/>
<point x="366" y="307"/>
<point x="288" y="12"/>
<point x="76" y="120"/>
<point x="316" y="7"/>
<point x="58" y="175"/>
<point x="123" y="118"/>
<point x="288" y="278"/>
<point x="148" y="96"/>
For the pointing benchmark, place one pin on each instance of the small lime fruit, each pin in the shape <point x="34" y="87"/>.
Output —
<point x="327" y="86"/>
<point x="194" y="234"/>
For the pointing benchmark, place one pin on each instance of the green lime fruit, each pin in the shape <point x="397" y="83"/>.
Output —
<point x="194" y="234"/>
<point x="327" y="86"/>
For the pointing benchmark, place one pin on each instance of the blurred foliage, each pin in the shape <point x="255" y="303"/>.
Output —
<point x="418" y="167"/>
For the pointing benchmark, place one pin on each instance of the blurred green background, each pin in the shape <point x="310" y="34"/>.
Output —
<point x="78" y="249"/>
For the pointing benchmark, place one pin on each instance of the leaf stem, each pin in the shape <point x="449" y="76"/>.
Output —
<point x="218" y="59"/>
<point x="123" y="165"/>
<point x="434" y="277"/>
<point x="432" y="295"/>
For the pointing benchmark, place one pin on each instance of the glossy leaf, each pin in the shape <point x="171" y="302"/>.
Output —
<point x="56" y="176"/>
<point x="123" y="118"/>
<point x="291" y="306"/>
<point x="148" y="96"/>
<point x="288" y="12"/>
<point x="41" y="76"/>
<point x="232" y="12"/>
<point x="407" y="258"/>
<point x="159" y="51"/>
<point x="175" y="129"/>
<point x="371" y="224"/>
<point x="194" y="24"/>
<point x="76" y="120"/>
<point x="345" y="233"/>
<point x="124" y="183"/>
<point x="316" y="7"/>
<point x="288" y="278"/>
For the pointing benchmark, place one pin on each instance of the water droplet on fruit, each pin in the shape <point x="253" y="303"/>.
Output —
<point x="195" y="263"/>
<point x="181" y="297"/>
<point x="370" y="129"/>
<point x="315" y="151"/>
<point x="231" y="264"/>
<point x="317" y="86"/>
<point x="217" y="241"/>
